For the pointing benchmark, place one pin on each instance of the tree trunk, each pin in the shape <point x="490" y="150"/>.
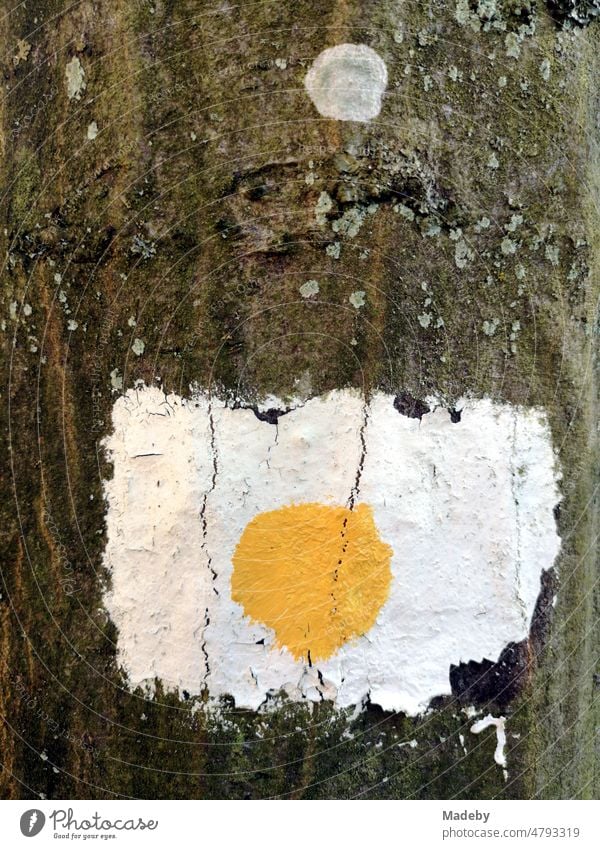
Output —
<point x="168" y="185"/>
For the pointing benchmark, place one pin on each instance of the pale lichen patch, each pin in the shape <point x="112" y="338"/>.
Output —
<point x="545" y="69"/>
<point x="310" y="288"/>
<point x="75" y="76"/>
<point x="460" y="595"/>
<point x="350" y="223"/>
<point x="322" y="207"/>
<point x="508" y="246"/>
<point x="357" y="299"/>
<point x="552" y="253"/>
<point x="513" y="45"/>
<point x="462" y="254"/>
<point x="23" y="50"/>
<point x="490" y="326"/>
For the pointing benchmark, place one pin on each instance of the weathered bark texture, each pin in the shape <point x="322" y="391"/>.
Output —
<point x="188" y="222"/>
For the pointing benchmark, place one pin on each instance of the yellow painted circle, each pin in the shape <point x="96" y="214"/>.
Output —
<point x="317" y="575"/>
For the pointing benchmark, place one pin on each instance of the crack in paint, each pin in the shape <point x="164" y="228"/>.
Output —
<point x="352" y="499"/>
<point x="203" y="645"/>
<point x="354" y="493"/>
<point x="513" y="488"/>
<point x="213" y="484"/>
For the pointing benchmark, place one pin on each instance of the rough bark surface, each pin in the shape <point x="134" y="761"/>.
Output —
<point x="160" y="167"/>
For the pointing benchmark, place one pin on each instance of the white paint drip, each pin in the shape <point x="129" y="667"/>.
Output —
<point x="466" y="507"/>
<point x="347" y="82"/>
<point x="499" y="723"/>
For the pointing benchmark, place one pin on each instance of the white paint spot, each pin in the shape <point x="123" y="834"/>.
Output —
<point x="310" y="288"/>
<point x="499" y="723"/>
<point x="466" y="507"/>
<point x="75" y="78"/>
<point x="92" y="130"/>
<point x="347" y="82"/>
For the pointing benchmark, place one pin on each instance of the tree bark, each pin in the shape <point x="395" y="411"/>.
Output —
<point x="161" y="166"/>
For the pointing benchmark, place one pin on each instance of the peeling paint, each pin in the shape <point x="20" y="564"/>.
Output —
<point x="357" y="299"/>
<point x="116" y="380"/>
<point x="469" y="538"/>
